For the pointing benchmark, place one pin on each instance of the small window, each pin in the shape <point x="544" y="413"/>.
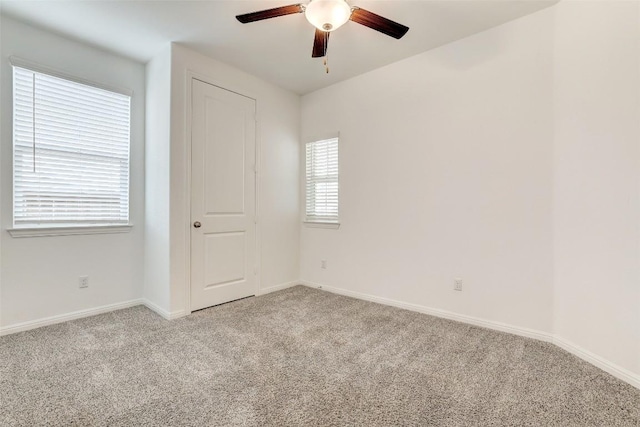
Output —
<point x="322" y="181"/>
<point x="70" y="153"/>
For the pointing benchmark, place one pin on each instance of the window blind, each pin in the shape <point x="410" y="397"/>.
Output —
<point x="70" y="152"/>
<point x="322" y="181"/>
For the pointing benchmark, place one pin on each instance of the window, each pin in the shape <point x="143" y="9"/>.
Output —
<point x="322" y="181"/>
<point x="70" y="153"/>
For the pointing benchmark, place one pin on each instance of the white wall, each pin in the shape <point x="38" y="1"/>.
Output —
<point x="40" y="275"/>
<point x="278" y="114"/>
<point x="597" y="177"/>
<point x="511" y="159"/>
<point x="158" y="180"/>
<point x="445" y="171"/>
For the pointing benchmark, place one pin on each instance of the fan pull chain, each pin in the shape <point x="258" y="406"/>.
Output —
<point x="326" y="63"/>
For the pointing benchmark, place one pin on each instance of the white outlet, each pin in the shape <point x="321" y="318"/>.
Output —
<point x="83" y="281"/>
<point x="323" y="264"/>
<point x="457" y="284"/>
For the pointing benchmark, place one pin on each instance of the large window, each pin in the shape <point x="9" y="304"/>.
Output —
<point x="70" y="152"/>
<point x="322" y="181"/>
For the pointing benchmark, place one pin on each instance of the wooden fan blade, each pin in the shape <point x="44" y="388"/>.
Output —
<point x="270" y="13"/>
<point x="378" y="23"/>
<point x="320" y="44"/>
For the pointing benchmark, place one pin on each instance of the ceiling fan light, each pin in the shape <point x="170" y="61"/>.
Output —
<point x="327" y="15"/>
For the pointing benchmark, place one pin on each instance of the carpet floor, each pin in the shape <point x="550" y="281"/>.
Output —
<point x="294" y="358"/>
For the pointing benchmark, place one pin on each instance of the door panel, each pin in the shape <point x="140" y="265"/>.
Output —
<point x="225" y="158"/>
<point x="224" y="258"/>
<point x="223" y="196"/>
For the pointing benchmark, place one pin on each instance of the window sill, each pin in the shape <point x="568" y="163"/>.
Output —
<point x="68" y="231"/>
<point x="330" y="225"/>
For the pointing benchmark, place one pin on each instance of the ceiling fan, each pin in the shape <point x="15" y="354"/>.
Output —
<point x="328" y="16"/>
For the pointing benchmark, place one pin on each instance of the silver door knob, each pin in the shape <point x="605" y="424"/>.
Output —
<point x="197" y="224"/>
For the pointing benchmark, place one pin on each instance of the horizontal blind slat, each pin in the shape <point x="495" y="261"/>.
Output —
<point x="80" y="152"/>
<point x="322" y="198"/>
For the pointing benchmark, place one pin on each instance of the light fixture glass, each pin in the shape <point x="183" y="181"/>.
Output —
<point x="327" y="15"/>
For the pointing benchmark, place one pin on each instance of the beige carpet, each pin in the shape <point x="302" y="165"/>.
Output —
<point x="298" y="357"/>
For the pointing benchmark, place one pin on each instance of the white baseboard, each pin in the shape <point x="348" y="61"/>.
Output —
<point x="613" y="369"/>
<point x="181" y="313"/>
<point x="162" y="312"/>
<point x="275" y="288"/>
<point x="607" y="366"/>
<point x="178" y="314"/>
<point x="490" y="324"/>
<point x="52" y="320"/>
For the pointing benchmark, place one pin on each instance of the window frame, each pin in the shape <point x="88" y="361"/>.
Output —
<point x="321" y="223"/>
<point x="70" y="228"/>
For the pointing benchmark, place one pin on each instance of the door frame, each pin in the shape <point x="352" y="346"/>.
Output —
<point x="190" y="76"/>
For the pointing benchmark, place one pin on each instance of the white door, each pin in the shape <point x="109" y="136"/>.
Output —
<point x="223" y="230"/>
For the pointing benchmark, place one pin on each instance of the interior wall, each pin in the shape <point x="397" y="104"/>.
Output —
<point x="278" y="124"/>
<point x="445" y="172"/>
<point x="597" y="177"/>
<point x="158" y="181"/>
<point x="40" y="274"/>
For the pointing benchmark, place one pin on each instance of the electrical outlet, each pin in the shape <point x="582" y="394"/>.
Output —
<point x="457" y="284"/>
<point x="323" y="264"/>
<point x="83" y="281"/>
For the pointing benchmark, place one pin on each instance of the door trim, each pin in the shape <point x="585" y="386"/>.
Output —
<point x="190" y="76"/>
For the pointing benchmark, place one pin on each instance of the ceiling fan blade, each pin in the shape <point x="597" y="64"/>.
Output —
<point x="378" y="23"/>
<point x="270" y="13"/>
<point x="320" y="44"/>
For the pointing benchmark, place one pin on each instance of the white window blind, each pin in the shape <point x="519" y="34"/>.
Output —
<point x="322" y="181"/>
<point x="70" y="152"/>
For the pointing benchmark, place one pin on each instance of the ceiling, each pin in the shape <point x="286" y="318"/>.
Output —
<point x="279" y="49"/>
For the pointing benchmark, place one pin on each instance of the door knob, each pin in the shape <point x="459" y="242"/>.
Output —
<point x="197" y="224"/>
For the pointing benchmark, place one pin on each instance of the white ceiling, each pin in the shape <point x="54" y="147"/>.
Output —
<point x="279" y="49"/>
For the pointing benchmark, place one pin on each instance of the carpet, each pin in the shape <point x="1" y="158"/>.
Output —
<point x="298" y="357"/>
